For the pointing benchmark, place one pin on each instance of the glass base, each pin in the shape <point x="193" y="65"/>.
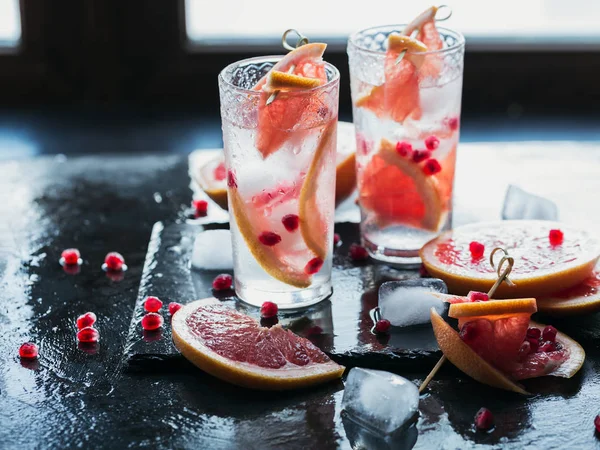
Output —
<point x="405" y="259"/>
<point x="286" y="300"/>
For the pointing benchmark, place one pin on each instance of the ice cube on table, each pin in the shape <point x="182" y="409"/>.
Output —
<point x="212" y="250"/>
<point x="407" y="303"/>
<point x="381" y="401"/>
<point x="521" y="205"/>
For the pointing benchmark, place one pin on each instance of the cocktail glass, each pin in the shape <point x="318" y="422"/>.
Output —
<point x="406" y="106"/>
<point x="280" y="151"/>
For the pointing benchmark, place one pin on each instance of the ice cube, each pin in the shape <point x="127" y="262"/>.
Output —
<point x="380" y="401"/>
<point x="521" y="205"/>
<point x="406" y="303"/>
<point x="212" y="250"/>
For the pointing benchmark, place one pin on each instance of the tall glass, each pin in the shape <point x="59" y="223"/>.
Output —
<point x="406" y="112"/>
<point x="280" y="156"/>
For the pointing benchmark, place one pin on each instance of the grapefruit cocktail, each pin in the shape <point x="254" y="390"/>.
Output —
<point x="406" y="85"/>
<point x="279" y="130"/>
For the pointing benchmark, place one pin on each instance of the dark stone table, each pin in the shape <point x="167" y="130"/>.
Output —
<point x="87" y="397"/>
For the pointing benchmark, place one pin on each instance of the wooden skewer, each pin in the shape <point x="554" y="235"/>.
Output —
<point x="302" y="40"/>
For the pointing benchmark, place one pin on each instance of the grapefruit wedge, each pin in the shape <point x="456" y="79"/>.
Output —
<point x="211" y="176"/>
<point x="427" y="33"/>
<point x="540" y="269"/>
<point x="235" y="348"/>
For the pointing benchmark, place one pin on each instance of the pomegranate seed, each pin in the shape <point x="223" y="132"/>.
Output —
<point x="313" y="266"/>
<point x="336" y="239"/>
<point x="432" y="143"/>
<point x="86" y="320"/>
<point x="597" y="423"/>
<point x="88" y="334"/>
<point x="70" y="256"/>
<point x="484" y="419"/>
<point x="222" y="282"/>
<point x="423" y="272"/>
<point x="220" y="172"/>
<point x="475" y="296"/>
<point x="525" y="349"/>
<point x="200" y="207"/>
<point x="152" y="321"/>
<point x="114" y="261"/>
<point x="547" y="347"/>
<point x="152" y="304"/>
<point x="382" y="326"/>
<point x="556" y="237"/>
<point x="468" y="332"/>
<point x="358" y="253"/>
<point x="231" y="181"/>
<point x="290" y="222"/>
<point x="268" y="310"/>
<point x="421" y="155"/>
<point x="404" y="149"/>
<point x="28" y="351"/>
<point x="453" y="123"/>
<point x="533" y="333"/>
<point x="269" y="238"/>
<point x="174" y="307"/>
<point x="477" y="249"/>
<point x="549" y="333"/>
<point x="534" y="343"/>
<point x="431" y="167"/>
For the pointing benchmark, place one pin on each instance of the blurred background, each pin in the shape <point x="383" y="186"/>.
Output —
<point x="141" y="76"/>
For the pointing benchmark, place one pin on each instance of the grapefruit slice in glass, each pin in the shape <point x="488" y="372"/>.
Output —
<point x="235" y="348"/>
<point x="424" y="25"/>
<point x="540" y="268"/>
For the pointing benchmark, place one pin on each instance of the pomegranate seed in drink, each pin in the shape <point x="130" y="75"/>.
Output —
<point x="70" y="257"/>
<point x="86" y="320"/>
<point x="549" y="333"/>
<point x="200" y="207"/>
<point x="114" y="261"/>
<point x="533" y="333"/>
<point x="477" y="249"/>
<point x="222" y="282"/>
<point x="269" y="238"/>
<point x="152" y="304"/>
<point x="431" y="167"/>
<point x="556" y="237"/>
<point x="28" y="351"/>
<point x="382" y="326"/>
<point x="174" y="307"/>
<point x="268" y="310"/>
<point x="336" y="239"/>
<point x="484" y="419"/>
<point x="453" y="123"/>
<point x="421" y="155"/>
<point x="475" y="296"/>
<point x="404" y="149"/>
<point x="152" y="321"/>
<point x="231" y="181"/>
<point x="88" y="334"/>
<point x="313" y="266"/>
<point x="358" y="253"/>
<point x="432" y="143"/>
<point x="290" y="222"/>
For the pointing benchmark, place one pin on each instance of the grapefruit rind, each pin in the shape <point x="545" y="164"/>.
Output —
<point x="277" y="80"/>
<point x="244" y="374"/>
<point x="465" y="358"/>
<point x="420" y="20"/>
<point x="576" y="354"/>
<point x="493" y="308"/>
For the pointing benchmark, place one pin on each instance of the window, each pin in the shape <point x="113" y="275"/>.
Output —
<point x="10" y="24"/>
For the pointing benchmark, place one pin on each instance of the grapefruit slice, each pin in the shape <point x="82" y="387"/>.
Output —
<point x="540" y="268"/>
<point x="418" y="22"/>
<point x="424" y="25"/>
<point x="235" y="348"/>
<point x="211" y="177"/>
<point x="583" y="298"/>
<point x="492" y="308"/>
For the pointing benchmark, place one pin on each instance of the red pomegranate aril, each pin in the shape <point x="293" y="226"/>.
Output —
<point x="525" y="349"/>
<point x="220" y="172"/>
<point x="231" y="180"/>
<point x="336" y="239"/>
<point x="88" y="334"/>
<point x="86" y="320"/>
<point x="152" y="304"/>
<point x="432" y="143"/>
<point x="114" y="261"/>
<point x="556" y="237"/>
<point x="549" y="333"/>
<point x="28" y="350"/>
<point x="547" y="346"/>
<point x="453" y="123"/>
<point x="291" y="222"/>
<point x="535" y="344"/>
<point x="533" y="333"/>
<point x="484" y="419"/>
<point x="70" y="256"/>
<point x="477" y="249"/>
<point x="174" y="307"/>
<point x="468" y="332"/>
<point x="431" y="167"/>
<point x="152" y="321"/>
<point x="597" y="423"/>
<point x="382" y="326"/>
<point x="404" y="149"/>
<point x="476" y="296"/>
<point x="222" y="282"/>
<point x="200" y="207"/>
<point x="421" y="155"/>
<point x="269" y="238"/>
<point x="313" y="266"/>
<point x="268" y="310"/>
<point x="358" y="253"/>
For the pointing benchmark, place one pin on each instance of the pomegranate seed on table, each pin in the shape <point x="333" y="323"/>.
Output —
<point x="556" y="237"/>
<point x="222" y="282"/>
<point x="269" y="238"/>
<point x="432" y="143"/>
<point x="291" y="222"/>
<point x="431" y="167"/>
<point x="313" y="266"/>
<point x="549" y="333"/>
<point x="423" y="272"/>
<point x="382" y="326"/>
<point x="421" y="155"/>
<point x="484" y="419"/>
<point x="86" y="320"/>
<point x="597" y="423"/>
<point x="28" y="351"/>
<point x="152" y="321"/>
<point x="174" y="307"/>
<point x="268" y="310"/>
<point x="358" y="253"/>
<point x="200" y="207"/>
<point x="533" y="333"/>
<point x="477" y="249"/>
<point x="70" y="256"/>
<point x="114" y="261"/>
<point x="152" y="304"/>
<point x="336" y="239"/>
<point x="475" y="296"/>
<point x="88" y="334"/>
<point x="404" y="149"/>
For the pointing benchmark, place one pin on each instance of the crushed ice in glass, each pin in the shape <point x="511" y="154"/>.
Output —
<point x="521" y="205"/>
<point x="407" y="303"/>
<point x="381" y="401"/>
<point x="212" y="250"/>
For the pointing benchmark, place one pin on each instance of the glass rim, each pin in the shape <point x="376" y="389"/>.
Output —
<point x="354" y="38"/>
<point x="273" y="58"/>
